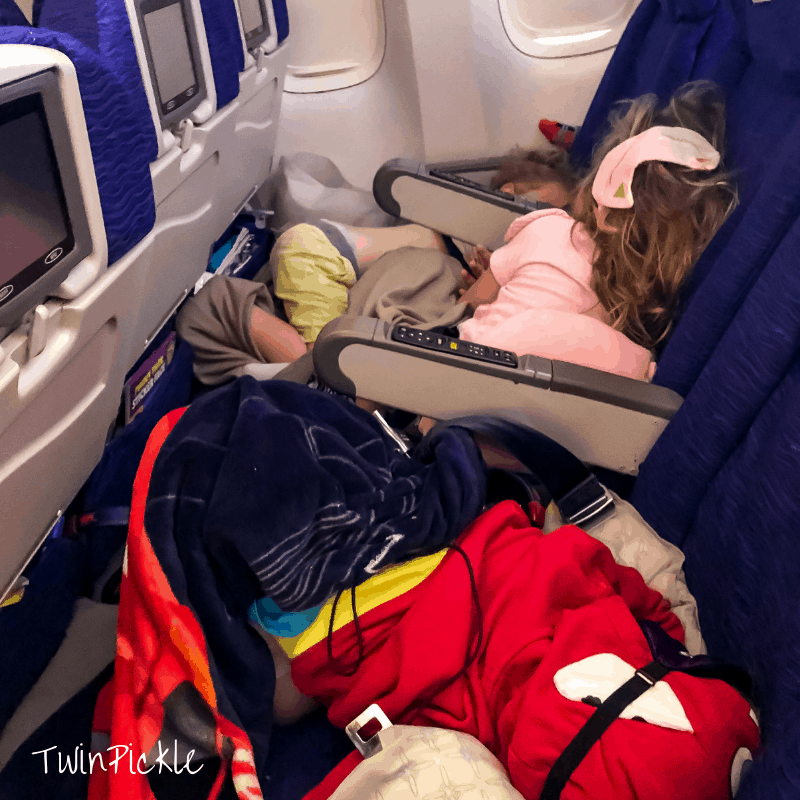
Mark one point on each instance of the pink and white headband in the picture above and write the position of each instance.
(612, 184)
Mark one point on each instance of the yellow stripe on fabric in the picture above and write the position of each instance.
(379, 589)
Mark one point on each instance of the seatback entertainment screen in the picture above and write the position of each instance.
(174, 67)
(255, 21)
(35, 231)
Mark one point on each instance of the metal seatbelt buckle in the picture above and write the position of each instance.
(585, 503)
(371, 745)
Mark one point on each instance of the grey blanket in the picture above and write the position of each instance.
(414, 286)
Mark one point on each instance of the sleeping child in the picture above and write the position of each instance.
(597, 286)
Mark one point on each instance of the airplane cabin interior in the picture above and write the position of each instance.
(336, 463)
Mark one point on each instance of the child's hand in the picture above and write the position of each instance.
(484, 290)
(478, 264)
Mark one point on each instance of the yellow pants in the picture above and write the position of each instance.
(312, 279)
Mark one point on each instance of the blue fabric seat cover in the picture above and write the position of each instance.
(224, 46)
(722, 481)
(103, 26)
(10, 14)
(121, 147)
(281, 18)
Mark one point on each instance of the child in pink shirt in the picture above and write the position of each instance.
(543, 301)
(599, 286)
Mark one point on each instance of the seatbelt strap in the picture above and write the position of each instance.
(575, 490)
(597, 725)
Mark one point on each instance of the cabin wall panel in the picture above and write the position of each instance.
(452, 85)
(362, 126)
(517, 90)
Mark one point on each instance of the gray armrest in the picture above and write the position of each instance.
(406, 189)
(604, 419)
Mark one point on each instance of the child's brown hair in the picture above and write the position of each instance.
(644, 254)
(534, 169)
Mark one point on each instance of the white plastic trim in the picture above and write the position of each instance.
(327, 77)
(601, 34)
(165, 142)
(19, 61)
(271, 42)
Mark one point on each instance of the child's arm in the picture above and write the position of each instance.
(276, 340)
(483, 291)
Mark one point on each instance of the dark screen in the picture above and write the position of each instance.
(33, 221)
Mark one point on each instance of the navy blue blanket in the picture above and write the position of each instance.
(275, 489)
(297, 494)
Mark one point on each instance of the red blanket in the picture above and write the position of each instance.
(547, 602)
(161, 659)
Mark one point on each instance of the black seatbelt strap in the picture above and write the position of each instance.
(597, 725)
(575, 490)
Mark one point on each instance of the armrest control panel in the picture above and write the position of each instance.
(448, 344)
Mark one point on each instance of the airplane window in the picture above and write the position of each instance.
(566, 28)
(335, 44)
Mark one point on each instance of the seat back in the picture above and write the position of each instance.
(666, 43)
(722, 480)
(154, 218)
(10, 14)
(122, 147)
(224, 47)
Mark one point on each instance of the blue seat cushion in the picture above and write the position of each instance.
(281, 18)
(666, 44)
(10, 14)
(120, 148)
(224, 46)
(104, 27)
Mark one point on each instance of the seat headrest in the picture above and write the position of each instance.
(77, 18)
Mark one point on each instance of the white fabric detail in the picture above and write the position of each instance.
(742, 757)
(601, 675)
